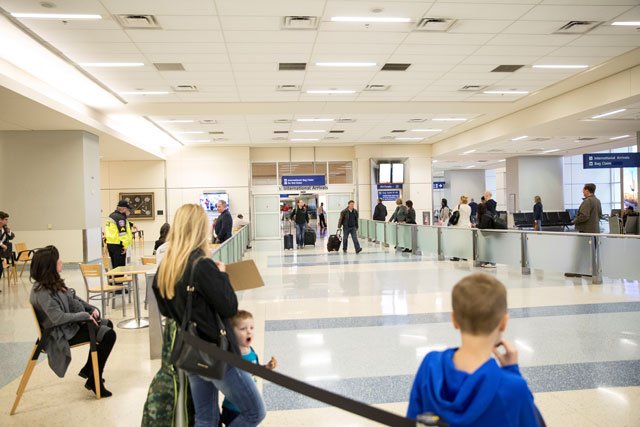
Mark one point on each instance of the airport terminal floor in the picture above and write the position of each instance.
(360, 325)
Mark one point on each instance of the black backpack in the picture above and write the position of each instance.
(455, 217)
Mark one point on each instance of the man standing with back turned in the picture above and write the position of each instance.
(587, 219)
(118, 234)
(349, 222)
(224, 223)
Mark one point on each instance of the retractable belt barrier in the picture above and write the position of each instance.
(330, 398)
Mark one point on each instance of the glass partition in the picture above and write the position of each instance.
(615, 259)
(372, 230)
(428, 241)
(498, 246)
(560, 252)
(379, 231)
(404, 235)
(391, 235)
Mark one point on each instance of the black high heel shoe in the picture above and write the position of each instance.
(89, 385)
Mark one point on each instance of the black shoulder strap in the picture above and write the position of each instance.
(191, 288)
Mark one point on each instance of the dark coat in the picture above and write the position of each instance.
(491, 206)
(300, 216)
(537, 212)
(411, 216)
(587, 219)
(344, 218)
(380, 212)
(224, 226)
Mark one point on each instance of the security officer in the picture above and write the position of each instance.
(118, 234)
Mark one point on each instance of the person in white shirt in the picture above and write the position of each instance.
(464, 218)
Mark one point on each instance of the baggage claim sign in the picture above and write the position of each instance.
(304, 182)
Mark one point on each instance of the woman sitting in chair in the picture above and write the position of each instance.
(59, 308)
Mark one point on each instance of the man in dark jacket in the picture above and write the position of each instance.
(224, 223)
(490, 203)
(349, 222)
(587, 219)
(380, 211)
(300, 216)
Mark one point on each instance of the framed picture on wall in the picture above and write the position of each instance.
(142, 205)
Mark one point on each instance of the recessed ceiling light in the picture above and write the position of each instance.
(560, 66)
(469, 152)
(615, 138)
(175, 121)
(331, 91)
(314, 120)
(304, 139)
(192, 132)
(61, 16)
(506, 92)
(551, 151)
(145, 92)
(610, 113)
(449, 119)
(426, 130)
(369, 19)
(346, 64)
(112, 64)
(434, 161)
(520, 137)
(406, 138)
(627, 23)
(469, 167)
(502, 160)
(309, 131)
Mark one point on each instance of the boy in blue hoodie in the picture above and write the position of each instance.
(465, 386)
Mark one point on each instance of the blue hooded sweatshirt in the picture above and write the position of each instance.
(491, 396)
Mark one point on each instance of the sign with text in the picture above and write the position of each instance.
(389, 186)
(610, 160)
(303, 181)
(389, 195)
(438, 185)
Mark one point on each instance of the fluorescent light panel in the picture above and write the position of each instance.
(314, 120)
(551, 151)
(331, 91)
(560, 66)
(449, 119)
(112, 64)
(627, 23)
(469, 152)
(145, 92)
(469, 167)
(615, 138)
(192, 132)
(62, 16)
(502, 160)
(175, 121)
(426, 130)
(610, 113)
(346, 64)
(406, 138)
(506, 92)
(520, 138)
(376, 19)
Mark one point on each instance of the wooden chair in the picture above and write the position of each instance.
(10, 272)
(115, 280)
(23, 255)
(38, 348)
(95, 271)
(146, 260)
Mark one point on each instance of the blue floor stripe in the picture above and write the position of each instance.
(426, 318)
(390, 389)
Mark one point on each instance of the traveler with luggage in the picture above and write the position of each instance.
(322, 218)
(349, 223)
(300, 216)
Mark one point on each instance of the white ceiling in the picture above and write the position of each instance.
(230, 50)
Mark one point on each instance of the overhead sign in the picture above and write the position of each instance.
(610, 160)
(303, 180)
(389, 195)
(438, 185)
(389, 186)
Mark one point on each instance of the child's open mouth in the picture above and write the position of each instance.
(249, 340)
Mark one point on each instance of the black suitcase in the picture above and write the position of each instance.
(334, 242)
(288, 240)
(310, 237)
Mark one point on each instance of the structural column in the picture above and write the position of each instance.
(458, 183)
(532, 176)
(51, 190)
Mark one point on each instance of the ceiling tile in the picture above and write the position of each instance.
(281, 36)
(356, 37)
(87, 47)
(160, 7)
(269, 8)
(428, 50)
(448, 38)
(613, 41)
(183, 48)
(579, 12)
(103, 36)
(187, 57)
(164, 36)
(188, 22)
(469, 26)
(491, 11)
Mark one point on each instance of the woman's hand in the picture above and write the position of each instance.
(221, 266)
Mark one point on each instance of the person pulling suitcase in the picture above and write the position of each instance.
(349, 223)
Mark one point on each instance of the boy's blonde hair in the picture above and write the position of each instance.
(240, 316)
(479, 302)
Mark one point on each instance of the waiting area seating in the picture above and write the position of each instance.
(561, 219)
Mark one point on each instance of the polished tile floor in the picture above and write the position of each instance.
(360, 325)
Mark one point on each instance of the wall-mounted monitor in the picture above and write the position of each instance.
(397, 173)
(209, 201)
(385, 173)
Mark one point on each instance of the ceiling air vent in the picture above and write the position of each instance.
(506, 68)
(138, 22)
(208, 122)
(539, 139)
(577, 27)
(586, 138)
(185, 88)
(495, 150)
(168, 66)
(336, 131)
(300, 22)
(280, 131)
(376, 88)
(398, 130)
(282, 121)
(434, 24)
(471, 88)
(395, 67)
(481, 161)
(216, 132)
(288, 88)
(346, 121)
(292, 66)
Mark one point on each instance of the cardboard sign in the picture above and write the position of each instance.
(244, 275)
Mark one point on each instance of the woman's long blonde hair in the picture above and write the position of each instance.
(188, 232)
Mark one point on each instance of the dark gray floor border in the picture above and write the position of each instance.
(390, 389)
(426, 318)
(338, 260)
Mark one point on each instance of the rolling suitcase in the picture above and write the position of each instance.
(310, 237)
(288, 239)
(334, 242)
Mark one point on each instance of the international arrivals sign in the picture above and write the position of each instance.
(304, 182)
(610, 160)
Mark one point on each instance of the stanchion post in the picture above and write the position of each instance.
(385, 242)
(440, 248)
(596, 268)
(476, 252)
(524, 254)
(414, 239)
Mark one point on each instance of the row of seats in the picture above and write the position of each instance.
(549, 219)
